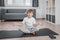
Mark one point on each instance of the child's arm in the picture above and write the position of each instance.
(36, 24)
(17, 24)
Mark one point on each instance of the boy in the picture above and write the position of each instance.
(29, 22)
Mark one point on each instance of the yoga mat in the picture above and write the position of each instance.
(20, 34)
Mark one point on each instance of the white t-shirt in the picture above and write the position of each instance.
(29, 21)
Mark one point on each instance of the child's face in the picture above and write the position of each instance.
(30, 14)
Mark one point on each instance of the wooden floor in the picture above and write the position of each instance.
(9, 26)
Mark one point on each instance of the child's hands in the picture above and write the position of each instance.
(14, 23)
(35, 25)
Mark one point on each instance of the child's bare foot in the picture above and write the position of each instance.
(33, 33)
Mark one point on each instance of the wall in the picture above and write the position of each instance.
(57, 11)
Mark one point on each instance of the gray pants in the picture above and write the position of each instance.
(29, 30)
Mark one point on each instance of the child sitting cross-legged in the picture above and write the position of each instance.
(29, 22)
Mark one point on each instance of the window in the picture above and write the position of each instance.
(19, 2)
(9, 2)
(28, 2)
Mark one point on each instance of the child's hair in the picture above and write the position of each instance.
(29, 11)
